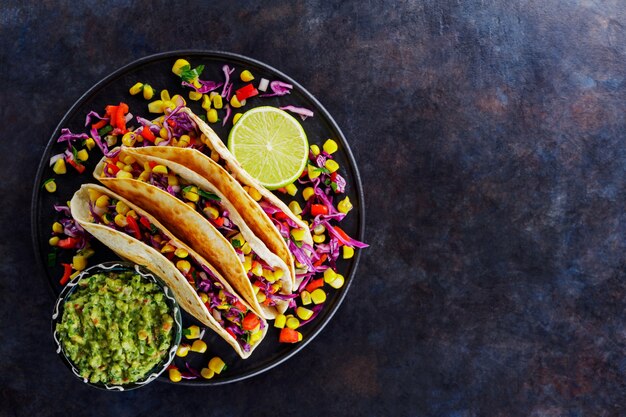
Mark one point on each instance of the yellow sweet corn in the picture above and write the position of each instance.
(93, 194)
(295, 208)
(206, 102)
(129, 160)
(305, 296)
(198, 346)
(331, 165)
(307, 193)
(236, 117)
(123, 174)
(246, 76)
(102, 201)
(330, 146)
(79, 262)
(90, 143)
(181, 253)
(298, 234)
(175, 375)
(50, 186)
(192, 332)
(319, 238)
(345, 205)
(348, 252)
(136, 89)
(246, 249)
(148, 92)
(59, 167)
(313, 172)
(304, 313)
(57, 227)
(261, 297)
(128, 139)
(218, 103)
(247, 263)
(165, 95)
(54, 240)
(159, 169)
(155, 106)
(329, 276)
(318, 296)
(254, 193)
(82, 155)
(183, 266)
(279, 321)
(177, 68)
(217, 365)
(211, 116)
(191, 193)
(195, 96)
(269, 275)
(337, 282)
(167, 248)
(291, 189)
(315, 150)
(319, 229)
(183, 350)
(235, 103)
(257, 269)
(292, 322)
(120, 220)
(211, 212)
(207, 373)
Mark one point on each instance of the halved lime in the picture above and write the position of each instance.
(271, 145)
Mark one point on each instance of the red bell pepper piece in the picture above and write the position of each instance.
(341, 233)
(67, 271)
(315, 284)
(113, 169)
(145, 222)
(246, 91)
(317, 209)
(68, 243)
(250, 321)
(219, 222)
(78, 167)
(230, 332)
(99, 124)
(240, 306)
(321, 260)
(147, 134)
(171, 122)
(134, 226)
(288, 335)
(152, 164)
(279, 215)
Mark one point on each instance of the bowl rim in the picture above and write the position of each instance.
(145, 273)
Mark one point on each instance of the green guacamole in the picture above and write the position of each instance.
(116, 327)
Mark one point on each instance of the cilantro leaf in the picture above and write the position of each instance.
(210, 196)
(188, 75)
(236, 243)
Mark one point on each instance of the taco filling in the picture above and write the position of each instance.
(266, 281)
(231, 314)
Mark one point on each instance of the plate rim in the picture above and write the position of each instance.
(35, 201)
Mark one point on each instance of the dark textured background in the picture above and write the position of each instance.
(490, 137)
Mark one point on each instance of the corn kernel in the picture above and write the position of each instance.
(298, 234)
(211, 212)
(183, 266)
(236, 117)
(319, 238)
(191, 193)
(136, 89)
(195, 96)
(247, 263)
(295, 208)
(102, 201)
(304, 313)
(318, 296)
(279, 273)
(291, 189)
(207, 373)
(120, 220)
(172, 180)
(330, 146)
(211, 116)
(59, 166)
(90, 143)
(345, 205)
(215, 155)
(257, 269)
(218, 102)
(132, 214)
(292, 322)
(217, 365)
(148, 93)
(246, 249)
(79, 262)
(305, 296)
(255, 194)
(165, 95)
(235, 103)
(54, 240)
(198, 346)
(183, 350)
(128, 139)
(246, 76)
(167, 248)
(307, 193)
(175, 375)
(329, 276)
(260, 297)
(331, 165)
(120, 164)
(279, 321)
(255, 337)
(50, 186)
(192, 332)
(206, 102)
(313, 172)
(337, 282)
(177, 68)
(82, 155)
(111, 140)
(184, 140)
(93, 195)
(154, 106)
(124, 174)
(348, 252)
(269, 275)
(319, 229)
(159, 169)
(315, 150)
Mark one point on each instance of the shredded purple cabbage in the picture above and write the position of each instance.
(279, 88)
(303, 112)
(69, 137)
(228, 86)
(206, 86)
(93, 114)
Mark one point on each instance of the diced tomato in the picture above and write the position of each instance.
(315, 284)
(152, 164)
(279, 215)
(246, 91)
(68, 243)
(230, 332)
(250, 321)
(288, 335)
(134, 226)
(147, 134)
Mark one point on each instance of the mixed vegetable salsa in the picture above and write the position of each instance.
(317, 198)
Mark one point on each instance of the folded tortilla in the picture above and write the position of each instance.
(194, 229)
(206, 279)
(269, 201)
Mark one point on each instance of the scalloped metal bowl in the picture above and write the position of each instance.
(147, 275)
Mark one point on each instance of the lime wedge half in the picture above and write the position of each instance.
(271, 145)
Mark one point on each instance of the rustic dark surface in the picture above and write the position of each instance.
(490, 138)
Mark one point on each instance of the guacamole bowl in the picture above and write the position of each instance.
(116, 326)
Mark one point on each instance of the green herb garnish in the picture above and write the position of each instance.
(210, 196)
(188, 75)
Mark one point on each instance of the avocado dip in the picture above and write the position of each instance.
(116, 327)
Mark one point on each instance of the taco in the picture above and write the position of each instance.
(200, 289)
(287, 223)
(201, 215)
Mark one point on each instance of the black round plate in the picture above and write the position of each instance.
(156, 71)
